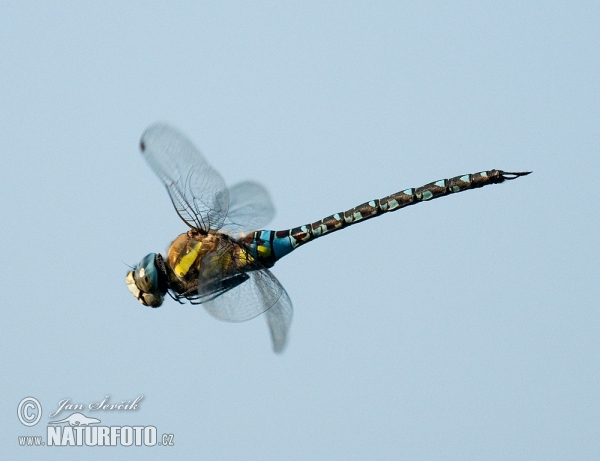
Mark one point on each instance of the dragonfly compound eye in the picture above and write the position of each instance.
(144, 282)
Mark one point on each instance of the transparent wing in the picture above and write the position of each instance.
(237, 302)
(279, 318)
(197, 190)
(248, 289)
(250, 207)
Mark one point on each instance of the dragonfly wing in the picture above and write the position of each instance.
(240, 302)
(279, 318)
(250, 207)
(197, 190)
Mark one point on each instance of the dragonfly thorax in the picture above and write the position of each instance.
(186, 252)
(194, 257)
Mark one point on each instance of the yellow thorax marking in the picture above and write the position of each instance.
(226, 261)
(263, 251)
(186, 261)
(215, 265)
(245, 258)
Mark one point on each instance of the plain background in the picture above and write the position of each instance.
(465, 328)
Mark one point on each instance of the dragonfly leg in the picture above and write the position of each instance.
(211, 290)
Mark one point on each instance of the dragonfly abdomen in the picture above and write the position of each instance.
(269, 246)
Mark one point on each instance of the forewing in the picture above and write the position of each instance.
(259, 293)
(197, 190)
(279, 318)
(250, 207)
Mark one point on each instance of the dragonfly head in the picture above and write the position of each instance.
(148, 280)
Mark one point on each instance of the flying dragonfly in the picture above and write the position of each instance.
(223, 261)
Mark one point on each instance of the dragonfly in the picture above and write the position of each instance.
(223, 260)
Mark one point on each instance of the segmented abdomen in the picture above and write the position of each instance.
(269, 246)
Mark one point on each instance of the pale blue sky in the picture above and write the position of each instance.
(465, 328)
